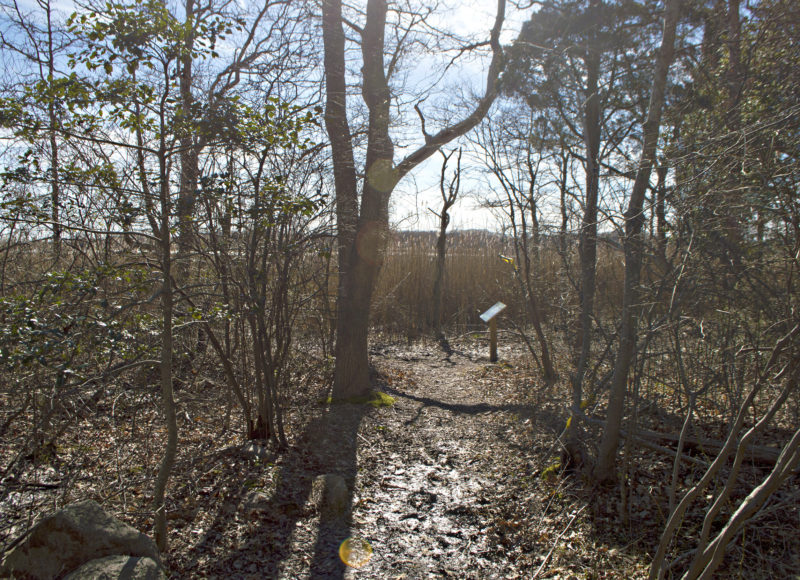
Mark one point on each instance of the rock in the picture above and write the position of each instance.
(330, 495)
(255, 502)
(119, 568)
(77, 534)
(255, 452)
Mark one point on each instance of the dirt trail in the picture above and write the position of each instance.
(430, 477)
(425, 476)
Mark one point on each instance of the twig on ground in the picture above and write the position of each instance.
(558, 539)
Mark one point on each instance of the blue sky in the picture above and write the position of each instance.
(470, 19)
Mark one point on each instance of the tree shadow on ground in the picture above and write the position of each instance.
(328, 445)
(336, 442)
(461, 408)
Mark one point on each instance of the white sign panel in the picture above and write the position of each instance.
(493, 311)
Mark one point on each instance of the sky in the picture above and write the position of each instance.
(418, 193)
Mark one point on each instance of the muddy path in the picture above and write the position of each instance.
(446, 482)
(425, 510)
(427, 473)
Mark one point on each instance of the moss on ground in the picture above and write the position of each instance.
(374, 399)
(550, 474)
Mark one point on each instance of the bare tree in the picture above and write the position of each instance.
(262, 31)
(162, 135)
(514, 151)
(39, 40)
(449, 196)
(708, 554)
(362, 227)
(564, 64)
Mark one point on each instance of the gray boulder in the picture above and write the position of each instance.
(119, 568)
(69, 538)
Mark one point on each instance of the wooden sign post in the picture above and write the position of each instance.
(490, 316)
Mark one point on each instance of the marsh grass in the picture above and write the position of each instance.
(475, 278)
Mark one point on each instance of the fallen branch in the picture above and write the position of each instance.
(648, 443)
(759, 454)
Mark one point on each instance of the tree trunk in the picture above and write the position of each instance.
(634, 249)
(55, 185)
(449, 196)
(531, 264)
(661, 215)
(733, 225)
(351, 375)
(735, 73)
(189, 155)
(587, 244)
(562, 188)
(168, 459)
(438, 274)
(348, 353)
(362, 236)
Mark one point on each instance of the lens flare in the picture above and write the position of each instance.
(355, 552)
(381, 175)
(370, 241)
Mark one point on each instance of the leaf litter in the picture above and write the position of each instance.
(458, 478)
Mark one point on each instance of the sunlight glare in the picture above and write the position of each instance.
(355, 552)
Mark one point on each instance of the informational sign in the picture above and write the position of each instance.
(489, 318)
(493, 311)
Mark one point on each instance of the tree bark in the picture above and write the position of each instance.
(661, 214)
(735, 73)
(361, 238)
(449, 196)
(55, 185)
(167, 400)
(634, 249)
(344, 173)
(189, 154)
(530, 264)
(708, 561)
(562, 188)
(733, 444)
(438, 273)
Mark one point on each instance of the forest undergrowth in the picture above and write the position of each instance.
(460, 477)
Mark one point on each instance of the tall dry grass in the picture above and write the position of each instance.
(475, 278)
